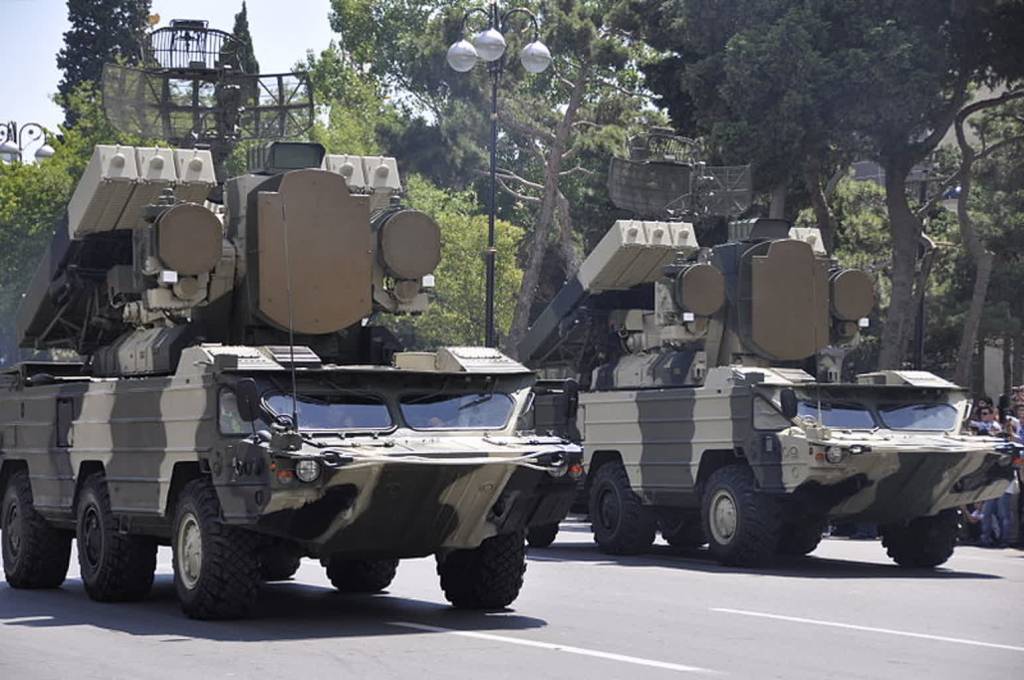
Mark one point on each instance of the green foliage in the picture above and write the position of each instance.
(456, 316)
(246, 52)
(101, 31)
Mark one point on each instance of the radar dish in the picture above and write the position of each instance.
(208, 108)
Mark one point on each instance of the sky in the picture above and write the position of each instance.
(32, 31)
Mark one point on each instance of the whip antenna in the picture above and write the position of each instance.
(291, 319)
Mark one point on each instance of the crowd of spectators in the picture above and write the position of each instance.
(997, 522)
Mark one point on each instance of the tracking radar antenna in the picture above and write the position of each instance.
(663, 177)
(191, 90)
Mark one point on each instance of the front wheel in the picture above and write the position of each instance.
(621, 523)
(361, 576)
(115, 567)
(487, 577)
(542, 536)
(35, 554)
(924, 542)
(216, 566)
(741, 523)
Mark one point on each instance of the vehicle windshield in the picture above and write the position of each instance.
(487, 411)
(935, 417)
(838, 415)
(334, 412)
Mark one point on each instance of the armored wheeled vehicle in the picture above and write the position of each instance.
(711, 406)
(239, 399)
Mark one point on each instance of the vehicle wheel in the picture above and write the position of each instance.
(542, 536)
(488, 577)
(361, 576)
(35, 554)
(800, 538)
(681, 531)
(922, 542)
(742, 524)
(279, 562)
(621, 523)
(115, 567)
(216, 566)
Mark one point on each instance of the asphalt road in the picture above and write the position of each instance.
(845, 612)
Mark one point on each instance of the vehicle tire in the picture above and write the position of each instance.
(216, 566)
(279, 562)
(682, 532)
(800, 538)
(742, 524)
(488, 577)
(923, 542)
(361, 576)
(542, 536)
(35, 554)
(621, 523)
(115, 567)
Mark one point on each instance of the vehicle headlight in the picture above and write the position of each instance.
(833, 454)
(307, 470)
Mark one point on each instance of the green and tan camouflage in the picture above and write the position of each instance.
(238, 400)
(711, 406)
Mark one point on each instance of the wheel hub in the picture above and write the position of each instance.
(12, 534)
(92, 536)
(609, 510)
(723, 517)
(190, 551)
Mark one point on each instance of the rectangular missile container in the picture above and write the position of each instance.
(104, 190)
(194, 168)
(155, 173)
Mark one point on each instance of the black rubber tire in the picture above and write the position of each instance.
(227, 581)
(488, 577)
(798, 539)
(542, 536)
(36, 555)
(683, 533)
(619, 520)
(115, 567)
(279, 563)
(921, 543)
(361, 576)
(755, 539)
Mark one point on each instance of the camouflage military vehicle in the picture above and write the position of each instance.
(710, 405)
(238, 401)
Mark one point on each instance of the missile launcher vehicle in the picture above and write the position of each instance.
(238, 399)
(707, 375)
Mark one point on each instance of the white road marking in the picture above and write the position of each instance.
(26, 619)
(555, 647)
(870, 629)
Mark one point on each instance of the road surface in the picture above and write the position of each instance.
(845, 612)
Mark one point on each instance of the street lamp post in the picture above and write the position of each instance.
(15, 140)
(489, 46)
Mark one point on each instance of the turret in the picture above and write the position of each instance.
(649, 306)
(304, 246)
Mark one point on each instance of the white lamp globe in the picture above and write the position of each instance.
(44, 152)
(462, 56)
(490, 44)
(9, 148)
(535, 57)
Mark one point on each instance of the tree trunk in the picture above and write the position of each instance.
(1018, 359)
(566, 243)
(777, 207)
(905, 231)
(813, 179)
(1007, 363)
(542, 231)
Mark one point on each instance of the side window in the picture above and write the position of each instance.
(229, 420)
(65, 415)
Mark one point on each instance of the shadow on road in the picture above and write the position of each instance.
(793, 567)
(284, 611)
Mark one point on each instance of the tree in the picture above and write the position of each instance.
(882, 78)
(557, 128)
(101, 31)
(245, 53)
